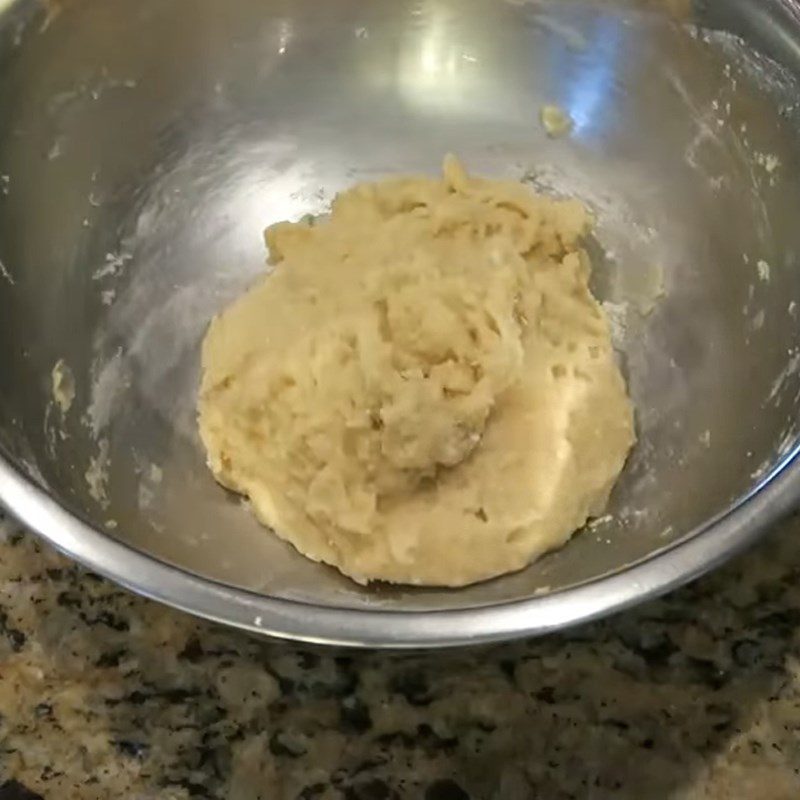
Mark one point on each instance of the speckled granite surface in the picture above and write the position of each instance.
(104, 695)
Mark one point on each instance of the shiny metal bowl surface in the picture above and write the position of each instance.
(145, 145)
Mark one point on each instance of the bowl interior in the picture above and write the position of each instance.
(144, 146)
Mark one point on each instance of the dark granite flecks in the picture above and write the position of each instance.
(105, 695)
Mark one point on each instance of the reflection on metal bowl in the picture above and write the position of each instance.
(144, 146)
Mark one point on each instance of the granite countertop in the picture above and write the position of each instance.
(105, 695)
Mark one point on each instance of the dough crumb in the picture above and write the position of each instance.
(768, 161)
(556, 121)
(423, 390)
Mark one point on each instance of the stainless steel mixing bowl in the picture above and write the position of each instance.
(145, 145)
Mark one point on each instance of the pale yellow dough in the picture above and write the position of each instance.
(423, 390)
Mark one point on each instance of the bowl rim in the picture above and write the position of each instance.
(663, 570)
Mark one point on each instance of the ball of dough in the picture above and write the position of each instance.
(423, 390)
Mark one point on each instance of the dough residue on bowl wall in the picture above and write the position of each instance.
(63, 386)
(424, 389)
(97, 474)
(5, 274)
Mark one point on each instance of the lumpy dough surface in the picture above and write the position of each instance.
(423, 390)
